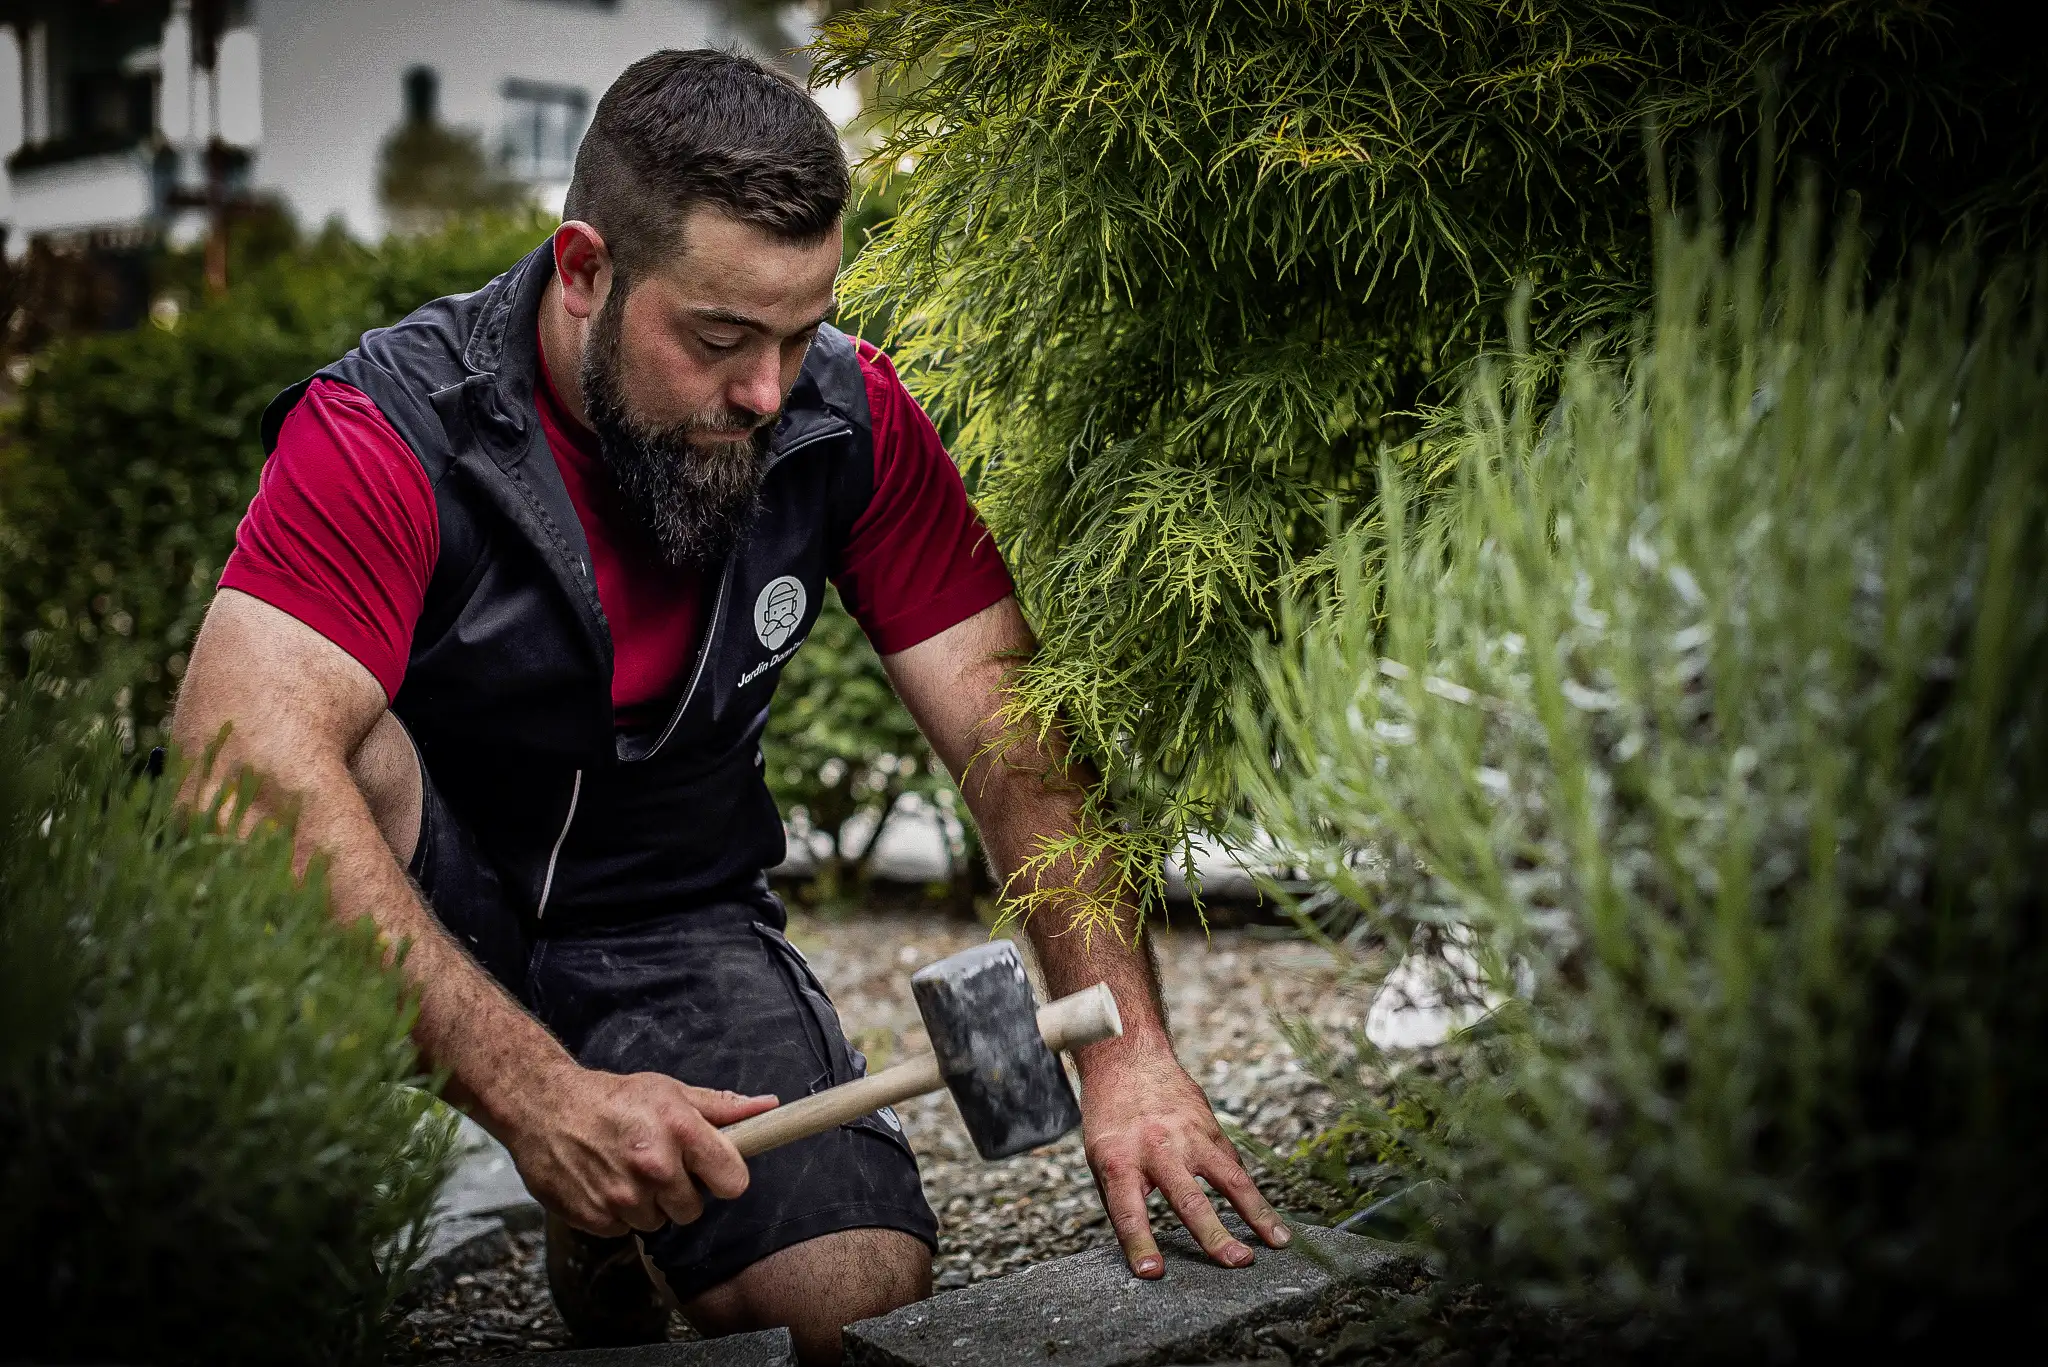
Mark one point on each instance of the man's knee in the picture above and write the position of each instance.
(818, 1287)
(386, 770)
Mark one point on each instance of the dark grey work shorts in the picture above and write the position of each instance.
(714, 995)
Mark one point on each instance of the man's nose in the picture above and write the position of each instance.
(758, 389)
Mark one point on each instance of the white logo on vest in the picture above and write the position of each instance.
(779, 610)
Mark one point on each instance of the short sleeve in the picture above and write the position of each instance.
(343, 532)
(918, 559)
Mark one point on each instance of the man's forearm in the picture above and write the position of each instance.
(492, 1049)
(1023, 791)
(468, 1026)
(1146, 1124)
(1017, 810)
(1072, 963)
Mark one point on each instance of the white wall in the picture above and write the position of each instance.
(332, 73)
(112, 191)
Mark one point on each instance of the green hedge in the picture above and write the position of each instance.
(839, 746)
(204, 1146)
(131, 457)
(1699, 734)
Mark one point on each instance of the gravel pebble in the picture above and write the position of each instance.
(1223, 993)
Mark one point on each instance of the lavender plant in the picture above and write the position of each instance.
(1705, 717)
(206, 1154)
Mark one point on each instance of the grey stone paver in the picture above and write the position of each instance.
(1088, 1311)
(769, 1348)
(476, 1211)
(485, 1182)
(462, 1243)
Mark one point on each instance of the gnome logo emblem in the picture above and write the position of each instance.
(779, 610)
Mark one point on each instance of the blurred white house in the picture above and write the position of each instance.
(123, 120)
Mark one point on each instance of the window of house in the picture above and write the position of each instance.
(111, 107)
(543, 125)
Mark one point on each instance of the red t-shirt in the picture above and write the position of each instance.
(343, 535)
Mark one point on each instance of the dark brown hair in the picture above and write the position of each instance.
(678, 129)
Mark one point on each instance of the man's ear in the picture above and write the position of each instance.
(584, 264)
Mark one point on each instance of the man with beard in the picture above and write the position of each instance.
(501, 627)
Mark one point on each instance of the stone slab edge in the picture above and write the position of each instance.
(483, 1204)
(1087, 1311)
(463, 1243)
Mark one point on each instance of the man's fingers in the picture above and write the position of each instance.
(1226, 1173)
(726, 1108)
(679, 1200)
(1123, 1196)
(1191, 1203)
(659, 1169)
(597, 1222)
(710, 1157)
(636, 1206)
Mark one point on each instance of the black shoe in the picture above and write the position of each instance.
(601, 1290)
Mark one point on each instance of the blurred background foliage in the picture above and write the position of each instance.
(129, 457)
(1694, 735)
(205, 1155)
(1176, 274)
(845, 762)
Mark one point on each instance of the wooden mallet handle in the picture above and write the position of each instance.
(1083, 1018)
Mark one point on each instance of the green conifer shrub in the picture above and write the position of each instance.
(1179, 272)
(1698, 735)
(132, 456)
(204, 1149)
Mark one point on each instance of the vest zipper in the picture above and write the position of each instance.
(718, 607)
(703, 658)
(548, 884)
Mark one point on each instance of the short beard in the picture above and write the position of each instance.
(694, 497)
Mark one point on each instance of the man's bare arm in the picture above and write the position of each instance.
(607, 1152)
(1147, 1124)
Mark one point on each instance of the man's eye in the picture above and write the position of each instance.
(713, 344)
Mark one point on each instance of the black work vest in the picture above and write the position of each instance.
(507, 690)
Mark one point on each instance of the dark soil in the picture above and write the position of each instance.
(493, 1312)
(1426, 1322)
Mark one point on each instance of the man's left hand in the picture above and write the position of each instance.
(1147, 1126)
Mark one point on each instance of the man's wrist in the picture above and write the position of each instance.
(521, 1094)
(1144, 1045)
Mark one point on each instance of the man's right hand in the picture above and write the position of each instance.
(611, 1153)
(607, 1153)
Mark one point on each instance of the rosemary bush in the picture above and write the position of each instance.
(1180, 272)
(1704, 717)
(203, 1146)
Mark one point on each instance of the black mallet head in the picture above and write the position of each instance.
(978, 1009)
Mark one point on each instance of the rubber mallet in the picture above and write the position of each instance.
(992, 1046)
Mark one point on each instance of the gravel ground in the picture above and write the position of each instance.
(1223, 992)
